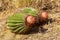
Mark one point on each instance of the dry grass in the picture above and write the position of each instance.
(9, 7)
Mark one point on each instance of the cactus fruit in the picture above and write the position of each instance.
(22, 22)
(43, 16)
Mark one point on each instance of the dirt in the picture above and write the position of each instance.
(53, 28)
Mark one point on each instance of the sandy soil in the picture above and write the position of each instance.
(52, 32)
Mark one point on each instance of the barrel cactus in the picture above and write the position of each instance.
(22, 22)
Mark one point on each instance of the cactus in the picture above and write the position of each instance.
(17, 22)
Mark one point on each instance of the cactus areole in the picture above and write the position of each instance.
(22, 22)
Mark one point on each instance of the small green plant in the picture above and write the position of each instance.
(22, 22)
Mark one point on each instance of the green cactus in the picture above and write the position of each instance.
(16, 22)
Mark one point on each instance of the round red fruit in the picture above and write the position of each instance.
(31, 19)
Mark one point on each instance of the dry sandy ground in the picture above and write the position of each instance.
(52, 32)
